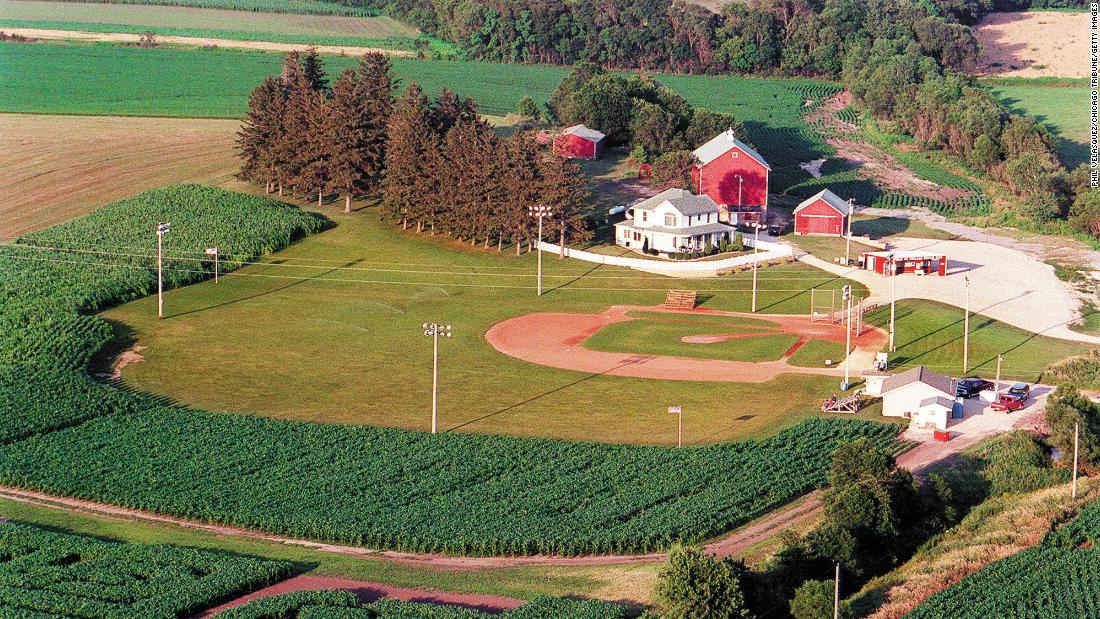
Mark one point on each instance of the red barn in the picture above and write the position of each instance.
(579, 142)
(733, 175)
(822, 214)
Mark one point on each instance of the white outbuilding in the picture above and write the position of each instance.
(919, 394)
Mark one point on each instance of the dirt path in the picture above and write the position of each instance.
(121, 37)
(370, 591)
(553, 339)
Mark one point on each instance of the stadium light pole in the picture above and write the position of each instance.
(755, 249)
(847, 338)
(892, 262)
(679, 412)
(836, 593)
(848, 243)
(539, 212)
(162, 229)
(966, 327)
(435, 331)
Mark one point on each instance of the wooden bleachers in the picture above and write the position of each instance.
(848, 404)
(680, 299)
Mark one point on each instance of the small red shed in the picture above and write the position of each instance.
(823, 213)
(905, 262)
(579, 142)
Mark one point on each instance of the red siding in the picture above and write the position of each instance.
(819, 218)
(718, 179)
(574, 146)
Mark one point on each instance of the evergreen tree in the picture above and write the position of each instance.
(315, 160)
(295, 123)
(412, 145)
(449, 110)
(375, 76)
(260, 132)
(469, 151)
(520, 173)
(350, 129)
(314, 70)
(564, 190)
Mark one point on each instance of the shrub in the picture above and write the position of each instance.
(695, 585)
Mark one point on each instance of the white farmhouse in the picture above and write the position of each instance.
(922, 395)
(674, 220)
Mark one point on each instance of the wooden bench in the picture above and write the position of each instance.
(681, 299)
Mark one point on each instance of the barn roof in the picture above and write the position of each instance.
(723, 143)
(584, 132)
(829, 197)
(680, 199)
(920, 374)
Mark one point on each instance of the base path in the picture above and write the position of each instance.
(123, 37)
(554, 339)
(369, 591)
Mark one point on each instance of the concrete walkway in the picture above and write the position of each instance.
(1005, 284)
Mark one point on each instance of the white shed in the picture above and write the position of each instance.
(904, 394)
(932, 414)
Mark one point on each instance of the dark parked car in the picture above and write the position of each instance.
(971, 386)
(1022, 390)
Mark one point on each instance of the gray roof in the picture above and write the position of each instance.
(829, 197)
(947, 403)
(680, 199)
(710, 228)
(585, 132)
(923, 375)
(722, 144)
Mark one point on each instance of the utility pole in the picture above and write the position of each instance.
(162, 229)
(966, 328)
(848, 244)
(679, 412)
(893, 301)
(847, 338)
(755, 250)
(997, 388)
(539, 211)
(213, 251)
(836, 594)
(1076, 437)
(435, 331)
(740, 193)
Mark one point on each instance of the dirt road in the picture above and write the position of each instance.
(121, 37)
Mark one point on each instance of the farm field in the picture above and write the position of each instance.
(55, 168)
(931, 334)
(299, 7)
(284, 351)
(1034, 44)
(1063, 109)
(54, 572)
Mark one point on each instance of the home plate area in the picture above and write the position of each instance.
(674, 344)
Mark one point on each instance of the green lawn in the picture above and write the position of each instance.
(878, 227)
(263, 7)
(1063, 109)
(931, 334)
(814, 353)
(330, 330)
(830, 248)
(664, 338)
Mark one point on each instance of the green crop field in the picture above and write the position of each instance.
(1057, 579)
(931, 334)
(662, 336)
(80, 576)
(354, 484)
(301, 7)
(1063, 109)
(208, 23)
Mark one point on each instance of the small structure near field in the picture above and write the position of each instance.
(822, 214)
(920, 394)
(848, 404)
(900, 262)
(579, 142)
(674, 220)
(681, 299)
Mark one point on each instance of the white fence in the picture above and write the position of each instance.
(676, 268)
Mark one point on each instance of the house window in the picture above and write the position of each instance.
(734, 154)
(670, 221)
(645, 216)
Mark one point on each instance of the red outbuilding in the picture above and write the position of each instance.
(899, 262)
(735, 176)
(579, 142)
(822, 214)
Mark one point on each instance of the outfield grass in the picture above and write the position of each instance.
(814, 353)
(333, 333)
(830, 248)
(1063, 109)
(931, 334)
(664, 338)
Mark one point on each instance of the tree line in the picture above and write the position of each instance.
(435, 164)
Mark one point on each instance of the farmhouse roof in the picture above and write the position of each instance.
(584, 132)
(680, 199)
(829, 197)
(693, 230)
(920, 374)
(723, 143)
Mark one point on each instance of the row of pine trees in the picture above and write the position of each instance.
(436, 165)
